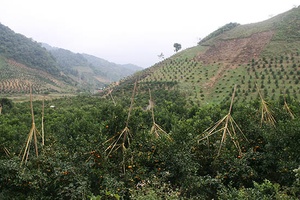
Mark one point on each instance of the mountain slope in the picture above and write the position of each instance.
(113, 71)
(24, 62)
(262, 56)
(26, 51)
(89, 70)
(16, 78)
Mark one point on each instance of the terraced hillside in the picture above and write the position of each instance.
(262, 56)
(16, 78)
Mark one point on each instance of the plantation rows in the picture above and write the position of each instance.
(275, 76)
(16, 79)
(14, 86)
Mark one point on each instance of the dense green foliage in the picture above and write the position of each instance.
(73, 163)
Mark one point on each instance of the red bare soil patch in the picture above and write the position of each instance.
(232, 52)
(236, 51)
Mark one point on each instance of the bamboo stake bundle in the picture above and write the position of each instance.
(288, 110)
(228, 128)
(266, 112)
(122, 139)
(156, 130)
(31, 136)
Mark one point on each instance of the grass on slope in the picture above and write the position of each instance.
(213, 83)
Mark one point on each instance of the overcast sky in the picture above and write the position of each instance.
(130, 31)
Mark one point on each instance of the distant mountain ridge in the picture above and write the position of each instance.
(69, 60)
(25, 62)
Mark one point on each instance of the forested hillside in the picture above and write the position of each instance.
(26, 51)
(25, 62)
(90, 68)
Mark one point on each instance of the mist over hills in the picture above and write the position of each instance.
(25, 62)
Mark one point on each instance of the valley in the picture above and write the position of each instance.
(216, 121)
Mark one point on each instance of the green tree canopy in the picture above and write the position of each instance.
(177, 47)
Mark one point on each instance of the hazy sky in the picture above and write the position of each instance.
(130, 31)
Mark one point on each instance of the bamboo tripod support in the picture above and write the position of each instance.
(266, 112)
(156, 130)
(31, 136)
(122, 139)
(228, 127)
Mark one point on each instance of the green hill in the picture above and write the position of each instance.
(90, 71)
(262, 56)
(26, 51)
(24, 62)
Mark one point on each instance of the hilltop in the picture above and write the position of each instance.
(25, 62)
(262, 55)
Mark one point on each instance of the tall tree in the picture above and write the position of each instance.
(177, 47)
